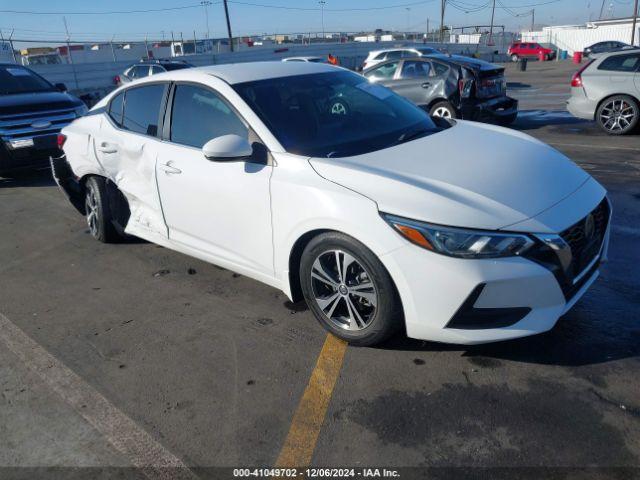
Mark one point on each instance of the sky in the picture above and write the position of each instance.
(248, 17)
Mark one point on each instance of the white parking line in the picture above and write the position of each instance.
(153, 460)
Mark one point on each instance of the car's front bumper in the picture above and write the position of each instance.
(469, 301)
(500, 109)
(33, 157)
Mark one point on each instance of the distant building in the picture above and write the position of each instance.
(574, 38)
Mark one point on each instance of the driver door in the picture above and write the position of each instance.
(220, 209)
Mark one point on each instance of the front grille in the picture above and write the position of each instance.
(585, 244)
(585, 248)
(17, 126)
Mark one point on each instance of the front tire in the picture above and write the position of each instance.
(348, 290)
(618, 115)
(514, 58)
(100, 219)
(443, 109)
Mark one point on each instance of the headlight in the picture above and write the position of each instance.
(81, 110)
(460, 242)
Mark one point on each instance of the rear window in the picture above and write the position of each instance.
(142, 109)
(621, 63)
(15, 79)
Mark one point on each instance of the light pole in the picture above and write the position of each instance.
(635, 18)
(408, 19)
(322, 4)
(205, 4)
(493, 12)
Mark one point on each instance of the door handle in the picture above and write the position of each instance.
(106, 147)
(169, 169)
(426, 84)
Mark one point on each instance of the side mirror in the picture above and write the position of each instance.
(61, 87)
(227, 147)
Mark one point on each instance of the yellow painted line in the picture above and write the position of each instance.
(300, 443)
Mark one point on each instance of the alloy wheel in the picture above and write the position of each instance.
(92, 210)
(617, 115)
(343, 290)
(443, 112)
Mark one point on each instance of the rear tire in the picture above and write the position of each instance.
(618, 115)
(348, 290)
(514, 58)
(100, 218)
(443, 109)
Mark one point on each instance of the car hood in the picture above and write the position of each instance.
(36, 102)
(470, 175)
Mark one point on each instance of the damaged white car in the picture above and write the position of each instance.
(311, 179)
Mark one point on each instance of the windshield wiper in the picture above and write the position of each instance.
(408, 136)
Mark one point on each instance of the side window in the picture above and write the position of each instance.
(414, 69)
(155, 69)
(142, 71)
(199, 115)
(142, 109)
(394, 55)
(115, 109)
(133, 72)
(380, 56)
(621, 63)
(383, 72)
(440, 69)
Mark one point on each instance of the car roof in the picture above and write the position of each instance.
(302, 58)
(627, 51)
(233, 73)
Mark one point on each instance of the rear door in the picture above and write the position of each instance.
(127, 147)
(415, 80)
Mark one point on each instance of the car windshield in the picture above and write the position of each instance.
(334, 114)
(16, 79)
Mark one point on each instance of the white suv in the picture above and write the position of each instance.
(379, 56)
(378, 216)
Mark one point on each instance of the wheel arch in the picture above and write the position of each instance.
(295, 257)
(118, 202)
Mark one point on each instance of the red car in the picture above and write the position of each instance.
(518, 50)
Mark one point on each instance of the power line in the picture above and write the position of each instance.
(113, 12)
(315, 9)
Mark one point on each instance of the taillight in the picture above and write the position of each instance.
(116, 79)
(576, 79)
(61, 139)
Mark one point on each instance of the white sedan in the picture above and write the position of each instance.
(378, 216)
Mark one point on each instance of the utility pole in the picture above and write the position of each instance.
(427, 29)
(73, 67)
(533, 18)
(493, 12)
(408, 19)
(205, 4)
(442, 5)
(322, 4)
(633, 25)
(601, 10)
(226, 13)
